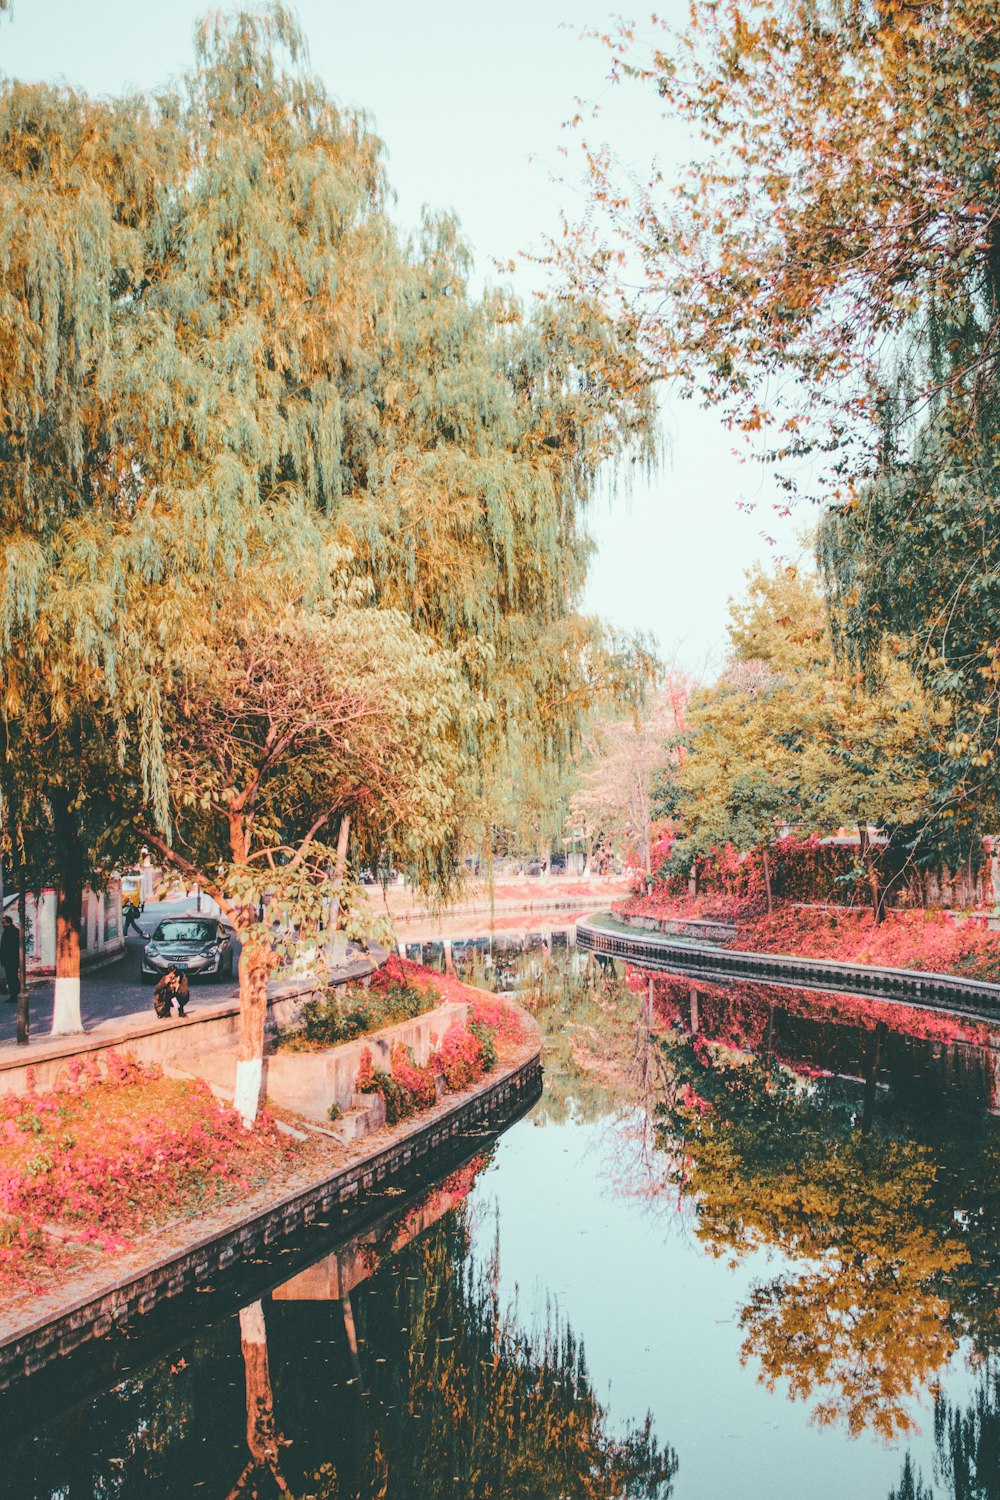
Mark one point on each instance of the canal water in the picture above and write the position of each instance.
(746, 1244)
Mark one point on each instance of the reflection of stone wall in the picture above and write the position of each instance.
(337, 1274)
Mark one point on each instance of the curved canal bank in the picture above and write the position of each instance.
(609, 937)
(621, 1295)
(178, 1259)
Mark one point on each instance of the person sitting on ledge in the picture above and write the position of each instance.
(173, 989)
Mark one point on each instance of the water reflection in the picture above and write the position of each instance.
(820, 1186)
(870, 1167)
(391, 1367)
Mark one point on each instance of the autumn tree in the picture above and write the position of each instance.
(787, 736)
(286, 728)
(219, 361)
(825, 270)
(613, 803)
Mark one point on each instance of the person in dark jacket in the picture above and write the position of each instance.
(10, 957)
(173, 989)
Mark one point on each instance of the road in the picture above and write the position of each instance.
(118, 989)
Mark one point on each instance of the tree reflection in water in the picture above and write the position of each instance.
(887, 1225)
(967, 1440)
(263, 1440)
(391, 1368)
(461, 1398)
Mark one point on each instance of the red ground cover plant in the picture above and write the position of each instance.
(459, 1059)
(107, 1155)
(930, 941)
(502, 1019)
(666, 904)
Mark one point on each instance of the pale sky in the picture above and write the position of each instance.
(470, 100)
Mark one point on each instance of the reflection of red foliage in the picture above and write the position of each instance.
(448, 1194)
(735, 1014)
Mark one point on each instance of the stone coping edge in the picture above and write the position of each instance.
(483, 909)
(34, 1343)
(977, 998)
(707, 927)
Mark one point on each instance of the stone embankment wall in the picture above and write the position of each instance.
(972, 997)
(205, 1029)
(60, 1324)
(309, 1082)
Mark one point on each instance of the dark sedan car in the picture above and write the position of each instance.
(193, 945)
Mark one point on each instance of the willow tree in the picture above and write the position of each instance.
(83, 187)
(218, 358)
(169, 410)
(487, 428)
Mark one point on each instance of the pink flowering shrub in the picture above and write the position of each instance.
(459, 1058)
(418, 1082)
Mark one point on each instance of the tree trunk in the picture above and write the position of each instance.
(767, 881)
(343, 838)
(254, 967)
(878, 900)
(340, 875)
(22, 998)
(69, 915)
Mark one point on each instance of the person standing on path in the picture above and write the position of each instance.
(10, 957)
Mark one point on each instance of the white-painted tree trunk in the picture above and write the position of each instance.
(66, 1010)
(249, 1077)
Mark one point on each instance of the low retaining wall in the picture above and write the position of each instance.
(706, 931)
(309, 1082)
(972, 997)
(149, 1040)
(36, 1342)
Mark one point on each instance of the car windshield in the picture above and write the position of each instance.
(184, 932)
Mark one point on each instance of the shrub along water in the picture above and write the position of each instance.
(463, 1055)
(346, 1012)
